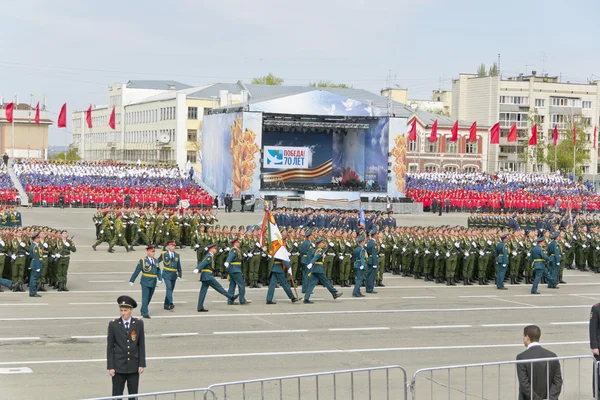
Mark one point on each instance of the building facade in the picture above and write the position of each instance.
(523, 100)
(30, 139)
(156, 122)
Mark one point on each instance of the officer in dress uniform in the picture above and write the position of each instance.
(359, 266)
(305, 257)
(233, 264)
(150, 275)
(126, 349)
(372, 262)
(206, 269)
(554, 253)
(538, 259)
(317, 274)
(502, 259)
(280, 267)
(36, 265)
(171, 272)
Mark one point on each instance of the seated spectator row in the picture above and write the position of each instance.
(109, 183)
(8, 193)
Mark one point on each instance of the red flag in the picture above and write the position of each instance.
(555, 135)
(37, 113)
(512, 134)
(533, 138)
(111, 121)
(454, 131)
(473, 132)
(412, 136)
(575, 134)
(433, 135)
(595, 141)
(9, 112)
(495, 134)
(62, 117)
(88, 117)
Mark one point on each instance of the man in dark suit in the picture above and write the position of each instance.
(126, 349)
(538, 380)
(595, 337)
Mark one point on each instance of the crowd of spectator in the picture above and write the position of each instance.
(8, 193)
(107, 183)
(508, 191)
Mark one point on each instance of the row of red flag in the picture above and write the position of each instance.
(494, 133)
(62, 116)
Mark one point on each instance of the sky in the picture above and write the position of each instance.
(71, 50)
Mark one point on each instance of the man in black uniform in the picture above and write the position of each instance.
(126, 349)
(595, 338)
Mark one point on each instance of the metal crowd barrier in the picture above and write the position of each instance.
(389, 382)
(186, 394)
(491, 381)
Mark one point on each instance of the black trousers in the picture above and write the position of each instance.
(118, 383)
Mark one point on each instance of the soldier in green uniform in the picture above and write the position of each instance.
(372, 261)
(502, 260)
(36, 265)
(538, 259)
(306, 255)
(278, 275)
(554, 254)
(3, 254)
(317, 274)
(45, 252)
(233, 264)
(65, 247)
(256, 253)
(19, 253)
(118, 235)
(151, 273)
(451, 252)
(345, 255)
(330, 254)
(171, 272)
(206, 269)
(359, 265)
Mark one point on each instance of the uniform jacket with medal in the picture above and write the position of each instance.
(207, 268)
(373, 252)
(171, 265)
(126, 350)
(317, 260)
(150, 272)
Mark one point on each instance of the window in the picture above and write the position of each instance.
(565, 102)
(432, 147)
(191, 156)
(451, 168)
(519, 100)
(508, 119)
(472, 148)
(414, 168)
(586, 120)
(451, 147)
(541, 119)
(540, 102)
(412, 145)
(192, 112)
(192, 135)
(586, 105)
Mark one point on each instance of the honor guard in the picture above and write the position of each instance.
(171, 272)
(151, 274)
(206, 269)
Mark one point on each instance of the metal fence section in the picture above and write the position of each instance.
(499, 380)
(381, 383)
(186, 394)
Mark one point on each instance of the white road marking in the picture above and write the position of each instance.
(89, 337)
(441, 326)
(375, 328)
(289, 314)
(571, 323)
(23, 304)
(19, 338)
(21, 370)
(298, 353)
(253, 332)
(180, 334)
(514, 302)
(505, 325)
(588, 297)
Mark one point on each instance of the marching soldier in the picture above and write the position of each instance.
(538, 259)
(372, 262)
(64, 248)
(359, 265)
(206, 269)
(36, 265)
(151, 274)
(318, 275)
(502, 259)
(233, 264)
(171, 272)
(278, 275)
(554, 253)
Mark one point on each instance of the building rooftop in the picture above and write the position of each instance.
(157, 85)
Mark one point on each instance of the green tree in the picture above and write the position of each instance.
(437, 111)
(71, 155)
(269, 79)
(481, 71)
(564, 150)
(493, 69)
(329, 84)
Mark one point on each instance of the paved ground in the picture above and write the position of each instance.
(61, 337)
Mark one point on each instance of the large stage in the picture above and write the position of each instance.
(324, 143)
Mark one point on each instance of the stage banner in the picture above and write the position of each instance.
(286, 157)
(398, 145)
(231, 152)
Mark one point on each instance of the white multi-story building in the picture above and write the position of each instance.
(490, 99)
(156, 122)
